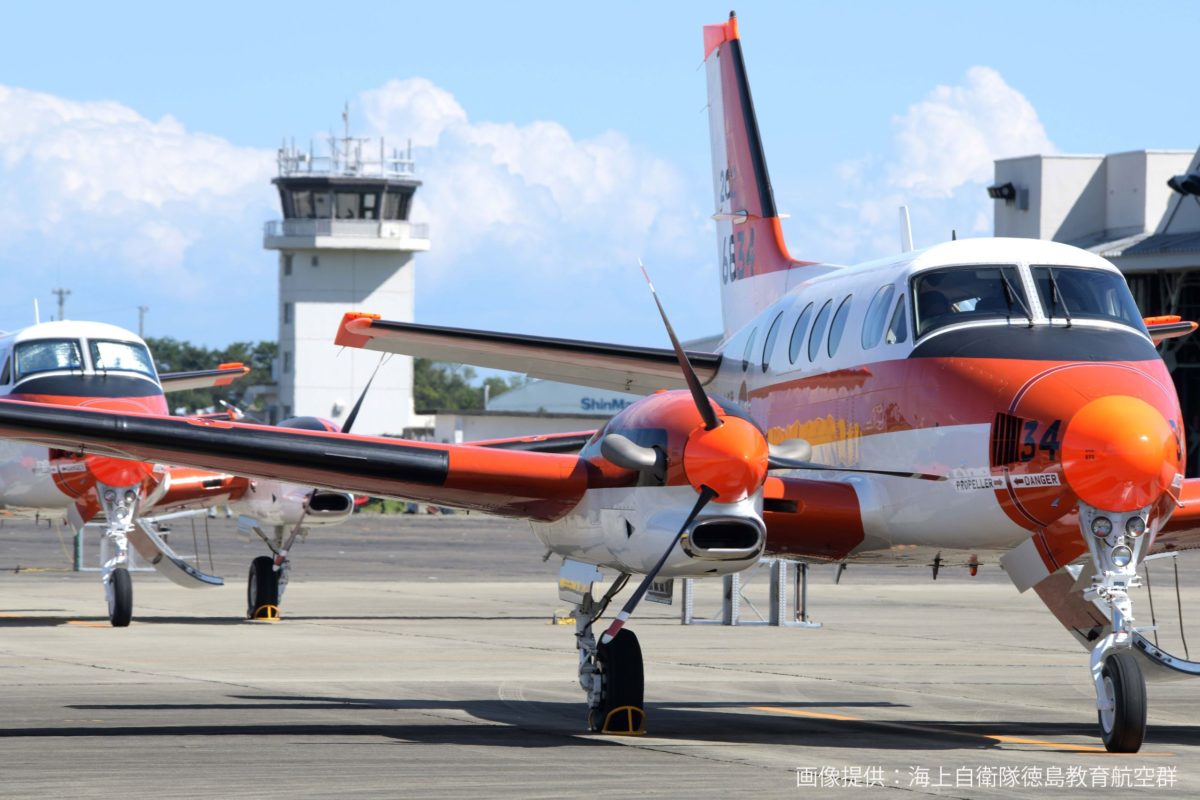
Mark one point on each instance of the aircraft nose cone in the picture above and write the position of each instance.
(731, 459)
(1119, 454)
(117, 471)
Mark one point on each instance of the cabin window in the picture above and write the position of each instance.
(798, 331)
(6, 375)
(898, 328)
(877, 316)
(1069, 292)
(968, 294)
(121, 356)
(46, 355)
(769, 344)
(818, 330)
(749, 350)
(838, 326)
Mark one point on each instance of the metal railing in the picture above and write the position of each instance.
(349, 228)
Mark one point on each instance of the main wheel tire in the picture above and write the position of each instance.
(262, 587)
(120, 598)
(623, 679)
(1124, 726)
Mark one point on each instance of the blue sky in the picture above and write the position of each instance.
(559, 142)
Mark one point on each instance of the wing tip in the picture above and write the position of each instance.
(349, 334)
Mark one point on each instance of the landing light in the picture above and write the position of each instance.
(1135, 527)
(1121, 555)
(1101, 527)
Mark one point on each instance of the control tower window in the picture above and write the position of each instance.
(1068, 292)
(369, 206)
(110, 355)
(322, 205)
(45, 355)
(302, 205)
(968, 294)
(348, 205)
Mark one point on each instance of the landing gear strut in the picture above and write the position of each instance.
(1117, 543)
(120, 506)
(610, 673)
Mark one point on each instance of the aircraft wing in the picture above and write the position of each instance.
(223, 375)
(641, 370)
(506, 482)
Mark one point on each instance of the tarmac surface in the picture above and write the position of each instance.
(417, 659)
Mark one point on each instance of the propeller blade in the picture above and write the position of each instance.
(706, 494)
(776, 462)
(689, 375)
(358, 403)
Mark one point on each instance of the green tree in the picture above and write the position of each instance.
(172, 355)
(448, 387)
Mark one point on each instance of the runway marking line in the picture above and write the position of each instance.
(1003, 739)
(82, 623)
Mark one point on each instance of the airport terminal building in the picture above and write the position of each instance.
(1140, 210)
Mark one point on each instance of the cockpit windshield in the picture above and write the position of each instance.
(108, 355)
(46, 355)
(1070, 292)
(968, 294)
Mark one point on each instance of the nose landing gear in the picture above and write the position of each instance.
(1118, 544)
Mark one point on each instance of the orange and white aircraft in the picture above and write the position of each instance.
(99, 366)
(979, 400)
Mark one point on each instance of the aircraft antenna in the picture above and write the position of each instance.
(906, 243)
(37, 314)
(142, 321)
(953, 235)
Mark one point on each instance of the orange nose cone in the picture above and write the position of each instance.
(730, 459)
(1119, 453)
(117, 471)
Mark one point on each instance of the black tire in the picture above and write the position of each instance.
(120, 598)
(1125, 728)
(620, 663)
(262, 588)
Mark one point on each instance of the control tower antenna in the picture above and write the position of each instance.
(142, 321)
(62, 299)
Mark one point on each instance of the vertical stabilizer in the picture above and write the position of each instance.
(749, 236)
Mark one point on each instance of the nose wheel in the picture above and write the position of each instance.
(1122, 707)
(119, 589)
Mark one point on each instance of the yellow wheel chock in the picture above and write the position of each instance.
(625, 721)
(268, 612)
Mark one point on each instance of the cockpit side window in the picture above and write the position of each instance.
(45, 355)
(968, 294)
(1068, 292)
(6, 373)
(109, 355)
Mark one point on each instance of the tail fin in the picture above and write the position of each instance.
(749, 236)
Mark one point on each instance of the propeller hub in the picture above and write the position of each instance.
(730, 459)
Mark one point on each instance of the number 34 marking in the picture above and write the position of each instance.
(1049, 442)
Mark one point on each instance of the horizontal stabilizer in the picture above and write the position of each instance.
(223, 375)
(622, 368)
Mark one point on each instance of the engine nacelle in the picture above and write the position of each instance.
(278, 503)
(629, 528)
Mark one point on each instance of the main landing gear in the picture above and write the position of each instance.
(269, 574)
(120, 506)
(611, 673)
(1117, 543)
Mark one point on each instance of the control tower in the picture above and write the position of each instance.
(345, 244)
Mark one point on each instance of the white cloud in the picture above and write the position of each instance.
(938, 162)
(98, 181)
(952, 137)
(567, 203)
